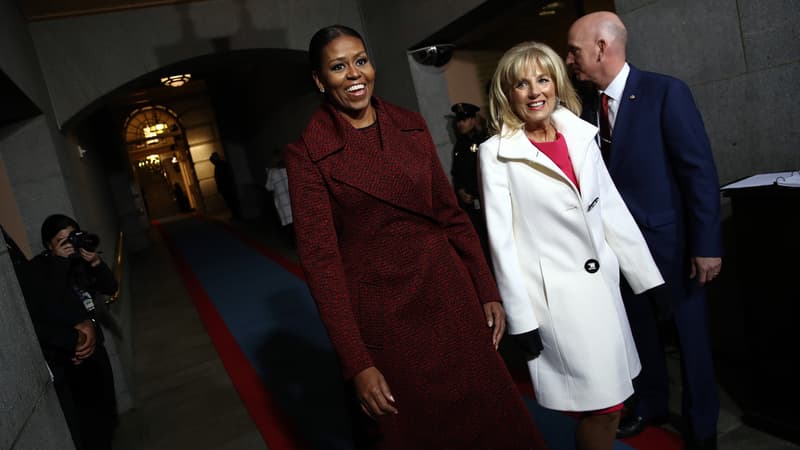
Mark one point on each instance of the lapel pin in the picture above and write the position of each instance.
(632, 97)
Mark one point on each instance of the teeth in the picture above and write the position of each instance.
(536, 104)
(355, 87)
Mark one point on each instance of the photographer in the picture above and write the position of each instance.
(61, 286)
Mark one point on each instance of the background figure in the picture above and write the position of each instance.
(226, 185)
(387, 253)
(180, 198)
(278, 184)
(469, 135)
(660, 159)
(560, 234)
(61, 287)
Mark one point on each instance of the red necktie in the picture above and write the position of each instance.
(605, 128)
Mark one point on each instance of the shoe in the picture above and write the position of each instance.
(631, 425)
(701, 444)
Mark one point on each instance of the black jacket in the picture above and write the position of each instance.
(465, 162)
(49, 284)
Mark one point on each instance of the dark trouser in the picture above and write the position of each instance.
(88, 399)
(700, 402)
(479, 223)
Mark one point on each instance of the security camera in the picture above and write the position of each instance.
(433, 55)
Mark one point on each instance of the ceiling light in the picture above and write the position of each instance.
(176, 80)
(551, 8)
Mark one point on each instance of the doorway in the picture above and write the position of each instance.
(161, 162)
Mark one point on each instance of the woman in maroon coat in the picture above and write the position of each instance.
(396, 269)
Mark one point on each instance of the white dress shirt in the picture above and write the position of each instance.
(614, 92)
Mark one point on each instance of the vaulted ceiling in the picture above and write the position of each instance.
(50, 9)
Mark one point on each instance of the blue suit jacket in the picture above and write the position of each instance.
(662, 164)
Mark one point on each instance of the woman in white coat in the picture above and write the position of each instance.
(560, 234)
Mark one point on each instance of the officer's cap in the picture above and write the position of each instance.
(464, 110)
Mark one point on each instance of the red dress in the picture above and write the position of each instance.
(399, 278)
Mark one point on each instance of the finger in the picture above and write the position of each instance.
(487, 311)
(693, 271)
(386, 393)
(374, 407)
(495, 325)
(499, 330)
(367, 411)
(382, 402)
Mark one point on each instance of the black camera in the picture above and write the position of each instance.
(86, 241)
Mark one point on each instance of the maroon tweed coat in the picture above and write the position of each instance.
(398, 276)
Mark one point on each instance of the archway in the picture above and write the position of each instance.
(161, 161)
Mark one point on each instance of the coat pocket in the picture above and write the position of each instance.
(371, 300)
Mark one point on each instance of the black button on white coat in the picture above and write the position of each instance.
(592, 265)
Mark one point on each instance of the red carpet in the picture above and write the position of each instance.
(652, 438)
(274, 429)
(279, 432)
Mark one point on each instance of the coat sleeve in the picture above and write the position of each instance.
(622, 234)
(103, 280)
(318, 249)
(693, 162)
(46, 295)
(498, 208)
(459, 229)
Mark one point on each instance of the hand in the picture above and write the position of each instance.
(86, 341)
(661, 297)
(64, 249)
(464, 196)
(530, 343)
(495, 318)
(705, 269)
(373, 393)
(91, 257)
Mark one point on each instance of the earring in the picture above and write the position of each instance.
(322, 90)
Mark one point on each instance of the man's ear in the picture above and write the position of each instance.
(601, 48)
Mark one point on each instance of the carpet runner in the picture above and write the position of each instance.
(263, 322)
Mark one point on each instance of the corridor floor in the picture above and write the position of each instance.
(184, 399)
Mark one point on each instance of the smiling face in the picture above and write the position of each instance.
(347, 77)
(533, 97)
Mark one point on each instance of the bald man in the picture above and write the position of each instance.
(657, 151)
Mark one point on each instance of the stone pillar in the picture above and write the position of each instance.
(30, 415)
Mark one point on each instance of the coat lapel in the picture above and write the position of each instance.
(376, 172)
(627, 109)
(577, 134)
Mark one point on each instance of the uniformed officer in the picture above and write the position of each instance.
(470, 134)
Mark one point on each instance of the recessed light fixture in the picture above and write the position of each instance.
(550, 8)
(176, 80)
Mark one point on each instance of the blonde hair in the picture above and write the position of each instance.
(511, 68)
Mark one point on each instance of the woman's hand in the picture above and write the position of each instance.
(373, 393)
(495, 318)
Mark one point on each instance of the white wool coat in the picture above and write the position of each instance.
(545, 235)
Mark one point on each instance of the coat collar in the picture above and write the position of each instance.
(327, 130)
(578, 134)
(381, 174)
